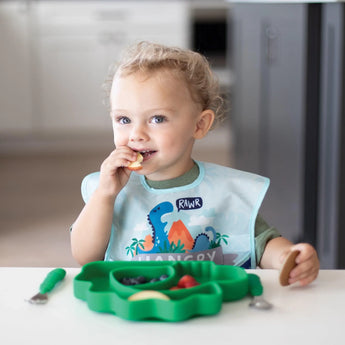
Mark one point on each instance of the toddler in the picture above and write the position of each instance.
(162, 100)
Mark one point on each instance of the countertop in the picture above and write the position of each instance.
(283, 1)
(301, 315)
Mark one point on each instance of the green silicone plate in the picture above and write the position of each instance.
(99, 284)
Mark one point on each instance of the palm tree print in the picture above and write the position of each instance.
(220, 238)
(133, 248)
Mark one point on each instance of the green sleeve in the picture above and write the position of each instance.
(263, 234)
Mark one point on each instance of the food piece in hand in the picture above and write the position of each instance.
(148, 294)
(288, 265)
(136, 165)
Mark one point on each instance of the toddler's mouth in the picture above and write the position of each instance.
(147, 154)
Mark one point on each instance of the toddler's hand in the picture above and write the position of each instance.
(308, 265)
(113, 172)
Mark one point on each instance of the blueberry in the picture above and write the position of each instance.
(126, 281)
(134, 281)
(141, 280)
(153, 280)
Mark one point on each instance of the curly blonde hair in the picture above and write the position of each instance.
(193, 67)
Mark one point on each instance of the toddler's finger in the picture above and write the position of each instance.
(303, 271)
(305, 278)
(121, 157)
(306, 252)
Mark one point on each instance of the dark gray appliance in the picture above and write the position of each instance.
(288, 116)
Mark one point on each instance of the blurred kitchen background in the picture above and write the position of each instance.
(281, 69)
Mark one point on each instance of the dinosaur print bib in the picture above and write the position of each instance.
(211, 219)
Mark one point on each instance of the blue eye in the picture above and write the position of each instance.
(158, 119)
(123, 120)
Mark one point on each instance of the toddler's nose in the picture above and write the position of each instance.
(138, 133)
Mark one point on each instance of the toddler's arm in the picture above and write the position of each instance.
(308, 265)
(91, 231)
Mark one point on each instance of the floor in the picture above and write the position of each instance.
(40, 195)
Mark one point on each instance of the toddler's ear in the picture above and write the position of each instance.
(204, 123)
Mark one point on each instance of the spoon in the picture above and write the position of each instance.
(256, 290)
(258, 302)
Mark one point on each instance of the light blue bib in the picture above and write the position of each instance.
(212, 218)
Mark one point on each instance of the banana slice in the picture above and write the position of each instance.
(148, 294)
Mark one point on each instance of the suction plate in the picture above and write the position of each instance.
(99, 284)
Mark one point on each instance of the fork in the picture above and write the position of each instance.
(48, 284)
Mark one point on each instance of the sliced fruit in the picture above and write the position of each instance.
(136, 165)
(187, 281)
(148, 294)
(175, 288)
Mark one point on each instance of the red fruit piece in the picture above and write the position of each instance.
(187, 281)
(191, 284)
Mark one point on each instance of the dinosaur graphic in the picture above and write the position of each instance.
(159, 235)
(202, 241)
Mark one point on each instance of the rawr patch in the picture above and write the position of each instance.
(189, 203)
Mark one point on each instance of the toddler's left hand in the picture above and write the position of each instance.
(308, 265)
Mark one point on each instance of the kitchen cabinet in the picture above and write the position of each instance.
(15, 68)
(69, 82)
(77, 42)
(55, 56)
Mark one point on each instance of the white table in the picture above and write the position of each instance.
(301, 315)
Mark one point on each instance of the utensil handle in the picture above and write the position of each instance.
(52, 278)
(255, 286)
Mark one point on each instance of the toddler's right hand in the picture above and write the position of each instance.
(113, 172)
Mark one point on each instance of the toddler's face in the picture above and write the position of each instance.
(155, 115)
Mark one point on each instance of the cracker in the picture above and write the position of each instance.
(288, 265)
(136, 165)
